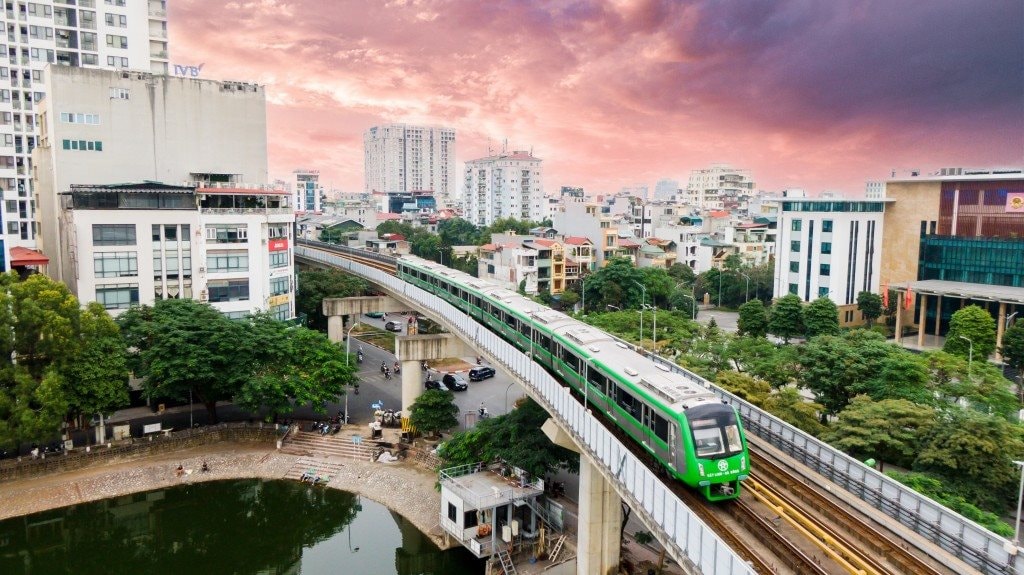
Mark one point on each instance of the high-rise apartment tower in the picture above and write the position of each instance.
(404, 158)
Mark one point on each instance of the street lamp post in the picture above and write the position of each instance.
(506, 395)
(1020, 499)
(970, 355)
(643, 298)
(190, 424)
(746, 294)
(348, 350)
(583, 292)
(720, 274)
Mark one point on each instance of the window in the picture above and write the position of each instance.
(227, 261)
(279, 285)
(115, 41)
(452, 512)
(794, 246)
(114, 2)
(90, 60)
(229, 290)
(823, 291)
(227, 234)
(119, 93)
(116, 264)
(117, 21)
(78, 118)
(795, 226)
(117, 62)
(826, 247)
(794, 266)
(113, 234)
(279, 259)
(88, 19)
(826, 225)
(280, 312)
(120, 296)
(793, 288)
(82, 145)
(825, 269)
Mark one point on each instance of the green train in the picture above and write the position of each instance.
(680, 423)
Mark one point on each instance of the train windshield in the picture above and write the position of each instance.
(715, 431)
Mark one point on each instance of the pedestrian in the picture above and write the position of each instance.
(179, 471)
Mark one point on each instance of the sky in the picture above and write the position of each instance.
(820, 95)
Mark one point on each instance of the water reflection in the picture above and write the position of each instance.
(243, 527)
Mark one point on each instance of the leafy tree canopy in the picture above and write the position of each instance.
(788, 405)
(970, 327)
(458, 232)
(870, 306)
(434, 411)
(753, 319)
(821, 317)
(315, 285)
(892, 430)
(786, 319)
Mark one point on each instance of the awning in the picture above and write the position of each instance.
(27, 257)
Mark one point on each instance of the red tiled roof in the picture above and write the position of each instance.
(626, 243)
(545, 243)
(27, 257)
(718, 214)
(578, 240)
(488, 247)
(388, 216)
(394, 237)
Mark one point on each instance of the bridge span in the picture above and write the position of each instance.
(688, 540)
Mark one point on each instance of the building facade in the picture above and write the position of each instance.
(405, 158)
(308, 192)
(708, 188)
(224, 244)
(113, 34)
(829, 248)
(192, 131)
(507, 185)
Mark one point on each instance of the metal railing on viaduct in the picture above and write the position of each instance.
(682, 533)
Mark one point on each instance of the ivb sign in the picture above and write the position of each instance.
(188, 71)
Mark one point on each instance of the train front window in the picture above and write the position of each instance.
(708, 440)
(715, 431)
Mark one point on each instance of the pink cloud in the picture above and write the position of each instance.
(816, 95)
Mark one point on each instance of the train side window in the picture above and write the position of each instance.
(462, 294)
(596, 379)
(658, 424)
(628, 402)
(475, 300)
(543, 341)
(570, 359)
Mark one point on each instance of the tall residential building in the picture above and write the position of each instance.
(404, 158)
(707, 188)
(308, 193)
(91, 34)
(507, 185)
(198, 149)
(829, 248)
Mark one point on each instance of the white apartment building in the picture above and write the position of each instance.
(507, 185)
(206, 142)
(308, 193)
(708, 187)
(666, 189)
(405, 158)
(829, 248)
(587, 221)
(118, 34)
(145, 127)
(226, 244)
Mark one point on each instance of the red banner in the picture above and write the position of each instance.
(278, 245)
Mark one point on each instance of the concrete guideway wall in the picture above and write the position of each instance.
(691, 543)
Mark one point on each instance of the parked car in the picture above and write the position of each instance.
(395, 326)
(454, 382)
(432, 384)
(374, 314)
(481, 373)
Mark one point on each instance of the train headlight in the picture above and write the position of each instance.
(700, 467)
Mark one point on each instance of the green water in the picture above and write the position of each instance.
(225, 528)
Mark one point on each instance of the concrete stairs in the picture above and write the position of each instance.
(309, 444)
(320, 468)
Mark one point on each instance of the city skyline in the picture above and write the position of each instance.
(819, 96)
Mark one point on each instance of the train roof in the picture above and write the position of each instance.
(674, 391)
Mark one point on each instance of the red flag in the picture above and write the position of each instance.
(885, 296)
(909, 301)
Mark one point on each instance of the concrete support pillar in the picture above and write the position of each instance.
(938, 314)
(922, 320)
(1000, 326)
(899, 318)
(412, 384)
(600, 519)
(336, 328)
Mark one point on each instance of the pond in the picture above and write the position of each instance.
(225, 527)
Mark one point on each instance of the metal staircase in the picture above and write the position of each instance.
(541, 513)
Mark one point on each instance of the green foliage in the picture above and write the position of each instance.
(744, 386)
(735, 289)
(315, 285)
(458, 232)
(1012, 349)
(568, 298)
(753, 319)
(515, 438)
(337, 234)
(891, 430)
(434, 411)
(986, 390)
(870, 306)
(786, 318)
(614, 285)
(833, 367)
(821, 317)
(676, 332)
(469, 264)
(934, 488)
(503, 225)
(681, 273)
(788, 405)
(682, 300)
(975, 324)
(973, 453)
(57, 360)
(428, 246)
(643, 537)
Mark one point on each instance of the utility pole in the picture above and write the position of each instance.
(643, 298)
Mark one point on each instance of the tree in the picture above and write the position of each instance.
(743, 386)
(681, 273)
(931, 487)
(428, 246)
(821, 317)
(788, 405)
(97, 379)
(434, 411)
(891, 430)
(1012, 351)
(753, 319)
(682, 300)
(568, 298)
(315, 285)
(189, 346)
(733, 262)
(786, 318)
(870, 306)
(458, 232)
(986, 390)
(977, 326)
(615, 285)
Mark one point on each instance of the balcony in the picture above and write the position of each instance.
(245, 211)
(161, 55)
(158, 13)
(161, 34)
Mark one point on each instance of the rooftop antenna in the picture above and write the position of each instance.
(504, 149)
